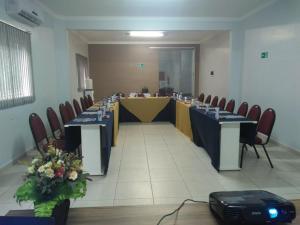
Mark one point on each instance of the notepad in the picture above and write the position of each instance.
(233, 117)
(89, 113)
(84, 120)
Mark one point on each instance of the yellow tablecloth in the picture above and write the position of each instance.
(115, 109)
(183, 122)
(145, 109)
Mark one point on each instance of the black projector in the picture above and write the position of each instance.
(251, 207)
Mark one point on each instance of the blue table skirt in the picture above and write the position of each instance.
(207, 132)
(73, 136)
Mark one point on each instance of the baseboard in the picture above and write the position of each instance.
(15, 159)
(277, 142)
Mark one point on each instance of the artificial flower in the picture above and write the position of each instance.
(73, 175)
(49, 173)
(30, 169)
(41, 169)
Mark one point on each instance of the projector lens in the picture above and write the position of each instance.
(273, 213)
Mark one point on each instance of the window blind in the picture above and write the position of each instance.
(16, 83)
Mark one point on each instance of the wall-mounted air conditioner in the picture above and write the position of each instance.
(25, 11)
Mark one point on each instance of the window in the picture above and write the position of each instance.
(82, 68)
(16, 84)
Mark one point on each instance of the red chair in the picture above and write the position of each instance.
(254, 113)
(208, 99)
(263, 134)
(64, 114)
(86, 102)
(222, 103)
(70, 110)
(230, 106)
(54, 124)
(77, 107)
(40, 136)
(214, 102)
(201, 97)
(243, 109)
(90, 100)
(83, 106)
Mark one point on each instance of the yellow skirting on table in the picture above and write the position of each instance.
(116, 122)
(183, 122)
(145, 109)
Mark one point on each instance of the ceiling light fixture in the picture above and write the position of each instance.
(147, 34)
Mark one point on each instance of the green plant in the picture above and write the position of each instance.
(51, 179)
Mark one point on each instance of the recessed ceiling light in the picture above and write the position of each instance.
(147, 34)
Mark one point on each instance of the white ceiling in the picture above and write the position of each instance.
(122, 37)
(154, 8)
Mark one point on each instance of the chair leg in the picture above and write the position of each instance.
(256, 152)
(268, 156)
(242, 156)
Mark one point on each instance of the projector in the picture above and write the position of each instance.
(251, 207)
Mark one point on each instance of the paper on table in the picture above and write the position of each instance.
(89, 113)
(84, 120)
(233, 117)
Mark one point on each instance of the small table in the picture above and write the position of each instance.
(190, 214)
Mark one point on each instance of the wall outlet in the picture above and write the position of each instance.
(212, 73)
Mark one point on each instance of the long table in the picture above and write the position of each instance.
(95, 137)
(146, 110)
(219, 137)
(190, 214)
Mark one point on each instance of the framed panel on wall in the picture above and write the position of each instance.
(82, 70)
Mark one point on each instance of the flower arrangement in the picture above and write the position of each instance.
(51, 179)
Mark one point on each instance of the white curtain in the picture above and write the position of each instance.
(16, 83)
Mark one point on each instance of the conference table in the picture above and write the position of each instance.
(146, 110)
(95, 137)
(220, 137)
(190, 214)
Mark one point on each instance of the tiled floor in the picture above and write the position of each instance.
(157, 164)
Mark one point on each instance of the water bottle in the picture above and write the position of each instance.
(99, 115)
(206, 108)
(217, 115)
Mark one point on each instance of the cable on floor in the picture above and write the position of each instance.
(177, 210)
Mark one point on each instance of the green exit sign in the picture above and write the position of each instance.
(141, 65)
(264, 55)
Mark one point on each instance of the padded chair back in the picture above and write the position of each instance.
(208, 99)
(77, 107)
(230, 106)
(83, 104)
(70, 110)
(201, 97)
(243, 109)
(90, 100)
(214, 102)
(86, 102)
(38, 131)
(64, 113)
(254, 113)
(222, 103)
(54, 123)
(266, 123)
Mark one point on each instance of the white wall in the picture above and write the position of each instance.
(76, 46)
(215, 56)
(274, 82)
(15, 134)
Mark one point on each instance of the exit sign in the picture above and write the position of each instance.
(264, 55)
(140, 65)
